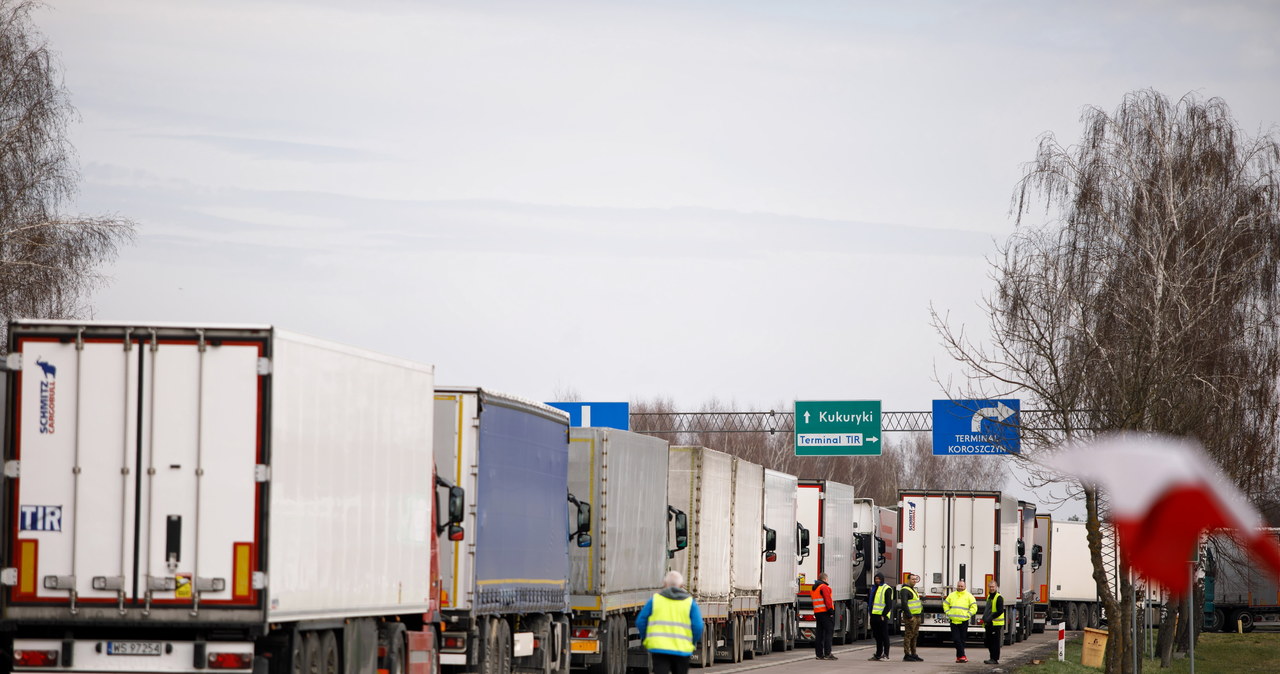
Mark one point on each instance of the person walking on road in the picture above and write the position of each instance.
(824, 613)
(993, 623)
(911, 618)
(881, 600)
(960, 607)
(670, 624)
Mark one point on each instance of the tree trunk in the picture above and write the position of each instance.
(1132, 644)
(1168, 631)
(1116, 629)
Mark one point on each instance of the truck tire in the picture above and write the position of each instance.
(618, 645)
(1216, 622)
(1244, 619)
(310, 653)
(561, 640)
(1095, 615)
(1073, 616)
(329, 663)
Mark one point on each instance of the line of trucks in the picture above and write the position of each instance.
(192, 498)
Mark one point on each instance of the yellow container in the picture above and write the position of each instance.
(1095, 647)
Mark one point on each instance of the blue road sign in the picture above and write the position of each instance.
(598, 415)
(966, 427)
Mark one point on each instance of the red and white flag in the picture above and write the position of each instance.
(1163, 493)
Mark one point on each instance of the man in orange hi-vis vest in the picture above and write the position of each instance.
(824, 612)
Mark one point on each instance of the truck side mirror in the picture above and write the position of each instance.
(457, 503)
(859, 554)
(1037, 557)
(1022, 547)
(583, 530)
(802, 539)
(770, 556)
(455, 532)
(681, 521)
(770, 541)
(880, 558)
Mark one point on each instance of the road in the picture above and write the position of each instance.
(939, 657)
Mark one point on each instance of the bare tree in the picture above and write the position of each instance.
(1148, 299)
(874, 477)
(48, 260)
(922, 470)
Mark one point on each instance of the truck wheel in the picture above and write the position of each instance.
(1217, 621)
(557, 657)
(329, 663)
(618, 645)
(1073, 616)
(1244, 618)
(311, 653)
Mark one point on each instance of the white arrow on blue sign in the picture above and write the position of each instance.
(968, 427)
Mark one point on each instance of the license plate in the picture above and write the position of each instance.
(939, 618)
(584, 646)
(133, 648)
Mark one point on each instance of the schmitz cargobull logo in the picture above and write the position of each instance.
(48, 396)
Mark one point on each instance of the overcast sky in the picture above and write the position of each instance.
(756, 201)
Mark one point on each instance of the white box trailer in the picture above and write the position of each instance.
(700, 484)
(778, 583)
(624, 476)
(231, 497)
(747, 523)
(1072, 591)
(825, 509)
(949, 536)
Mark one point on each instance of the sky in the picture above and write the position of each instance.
(753, 201)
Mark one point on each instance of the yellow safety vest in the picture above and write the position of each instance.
(878, 606)
(669, 628)
(913, 600)
(998, 621)
(960, 606)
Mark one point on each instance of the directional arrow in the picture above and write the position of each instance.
(873, 439)
(806, 417)
(1000, 412)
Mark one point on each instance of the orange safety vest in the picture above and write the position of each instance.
(819, 604)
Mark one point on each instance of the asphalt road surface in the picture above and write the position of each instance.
(938, 657)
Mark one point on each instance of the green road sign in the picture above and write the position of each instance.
(837, 428)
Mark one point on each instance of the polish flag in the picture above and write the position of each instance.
(1164, 492)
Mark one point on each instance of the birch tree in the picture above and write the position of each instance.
(49, 260)
(1139, 292)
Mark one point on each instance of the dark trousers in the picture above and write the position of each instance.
(665, 663)
(992, 638)
(959, 632)
(880, 630)
(825, 632)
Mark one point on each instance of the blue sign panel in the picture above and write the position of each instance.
(965, 427)
(598, 415)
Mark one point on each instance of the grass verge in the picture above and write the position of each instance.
(1215, 654)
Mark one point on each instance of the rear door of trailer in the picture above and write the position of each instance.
(134, 456)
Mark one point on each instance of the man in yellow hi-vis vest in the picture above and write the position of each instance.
(960, 607)
(912, 610)
(670, 624)
(993, 623)
(882, 598)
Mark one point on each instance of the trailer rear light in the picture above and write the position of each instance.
(584, 633)
(230, 660)
(806, 616)
(453, 643)
(35, 658)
